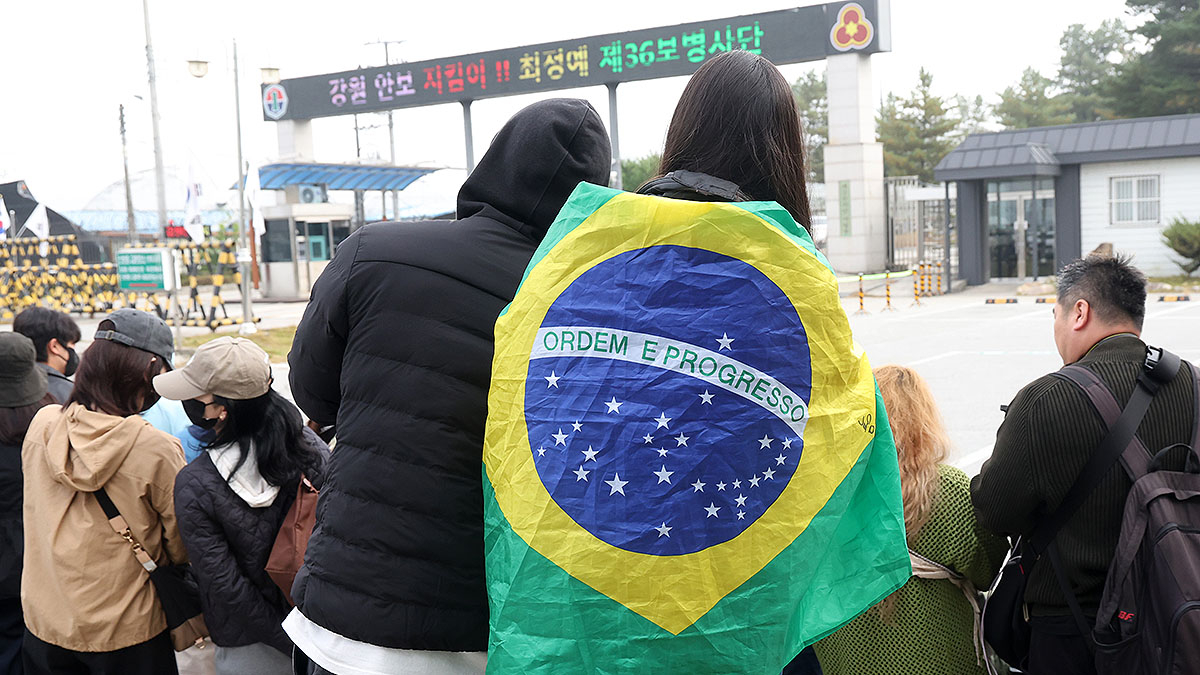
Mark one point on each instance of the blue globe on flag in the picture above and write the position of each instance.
(672, 428)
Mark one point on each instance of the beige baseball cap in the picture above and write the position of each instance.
(229, 367)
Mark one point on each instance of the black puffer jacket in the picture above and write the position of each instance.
(228, 543)
(12, 535)
(396, 345)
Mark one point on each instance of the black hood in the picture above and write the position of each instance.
(534, 163)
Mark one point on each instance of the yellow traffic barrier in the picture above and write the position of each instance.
(1000, 301)
(1174, 298)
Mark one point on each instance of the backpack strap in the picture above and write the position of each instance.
(1135, 458)
(1120, 442)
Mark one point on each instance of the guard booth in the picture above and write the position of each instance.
(297, 243)
(301, 233)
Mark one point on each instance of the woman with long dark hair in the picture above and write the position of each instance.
(735, 136)
(89, 604)
(23, 392)
(232, 499)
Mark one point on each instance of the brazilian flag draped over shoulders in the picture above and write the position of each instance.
(688, 467)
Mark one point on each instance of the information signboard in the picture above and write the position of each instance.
(146, 270)
(784, 36)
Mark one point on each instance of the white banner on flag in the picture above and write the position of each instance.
(38, 222)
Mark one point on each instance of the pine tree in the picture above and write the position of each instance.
(1089, 59)
(1031, 104)
(916, 132)
(1161, 81)
(811, 100)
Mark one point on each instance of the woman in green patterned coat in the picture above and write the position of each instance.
(928, 626)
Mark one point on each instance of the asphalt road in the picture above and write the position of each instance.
(977, 356)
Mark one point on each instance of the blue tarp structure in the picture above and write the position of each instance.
(339, 176)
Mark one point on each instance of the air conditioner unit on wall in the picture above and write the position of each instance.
(313, 194)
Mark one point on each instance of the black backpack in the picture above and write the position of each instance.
(1149, 616)
(1150, 592)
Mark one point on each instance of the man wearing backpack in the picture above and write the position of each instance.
(1052, 429)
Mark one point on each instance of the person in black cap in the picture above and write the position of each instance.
(89, 605)
(22, 394)
(54, 335)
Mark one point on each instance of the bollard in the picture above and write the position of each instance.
(925, 291)
(940, 290)
(887, 292)
(916, 289)
(861, 308)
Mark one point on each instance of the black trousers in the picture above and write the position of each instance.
(12, 629)
(302, 665)
(1058, 652)
(155, 656)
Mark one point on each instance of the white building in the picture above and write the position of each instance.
(1031, 200)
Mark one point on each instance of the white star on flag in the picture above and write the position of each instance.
(769, 474)
(787, 443)
(589, 454)
(577, 426)
(780, 459)
(617, 485)
(741, 515)
(712, 510)
(662, 420)
(648, 438)
(764, 442)
(681, 439)
(662, 452)
(552, 380)
(664, 530)
(581, 474)
(541, 452)
(737, 484)
(720, 487)
(560, 438)
(754, 481)
(725, 341)
(706, 398)
(613, 405)
(741, 500)
(664, 476)
(699, 486)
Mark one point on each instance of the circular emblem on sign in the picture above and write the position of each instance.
(672, 425)
(852, 30)
(275, 101)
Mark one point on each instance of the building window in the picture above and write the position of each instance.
(1133, 200)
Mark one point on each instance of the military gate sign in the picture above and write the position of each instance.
(786, 36)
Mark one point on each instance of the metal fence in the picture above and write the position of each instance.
(919, 230)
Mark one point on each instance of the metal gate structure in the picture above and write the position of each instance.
(922, 226)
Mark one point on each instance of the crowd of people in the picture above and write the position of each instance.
(204, 462)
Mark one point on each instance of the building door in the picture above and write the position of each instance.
(1021, 229)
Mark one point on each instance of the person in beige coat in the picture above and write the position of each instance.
(89, 605)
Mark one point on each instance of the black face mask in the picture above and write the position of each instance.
(195, 413)
(150, 400)
(72, 362)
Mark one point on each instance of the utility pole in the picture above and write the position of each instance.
(128, 191)
(158, 157)
(243, 254)
(391, 128)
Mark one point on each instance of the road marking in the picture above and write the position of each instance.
(974, 458)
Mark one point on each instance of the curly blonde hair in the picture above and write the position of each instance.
(921, 441)
(921, 444)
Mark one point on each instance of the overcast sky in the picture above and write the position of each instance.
(68, 64)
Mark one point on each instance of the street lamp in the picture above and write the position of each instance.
(199, 68)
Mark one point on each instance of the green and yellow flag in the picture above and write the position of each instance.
(688, 465)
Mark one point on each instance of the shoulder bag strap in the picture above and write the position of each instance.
(117, 521)
(1157, 371)
(925, 568)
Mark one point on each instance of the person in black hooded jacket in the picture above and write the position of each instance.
(396, 348)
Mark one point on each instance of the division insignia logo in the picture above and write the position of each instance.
(852, 30)
(275, 101)
(669, 420)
